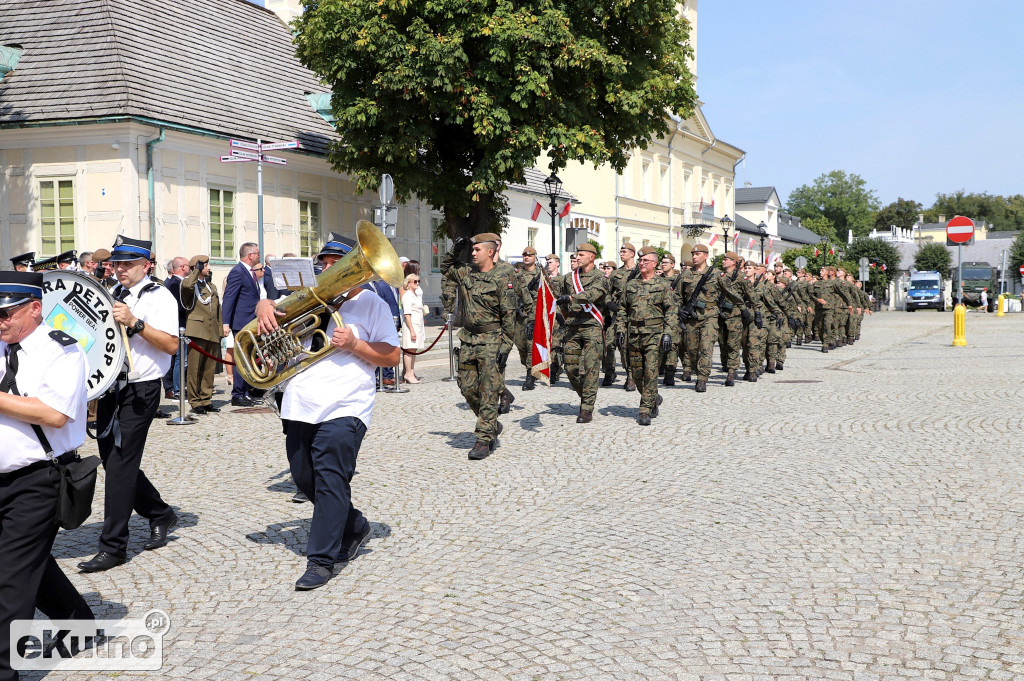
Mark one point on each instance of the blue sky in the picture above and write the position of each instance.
(915, 96)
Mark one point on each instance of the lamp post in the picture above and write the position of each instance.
(553, 186)
(762, 230)
(726, 224)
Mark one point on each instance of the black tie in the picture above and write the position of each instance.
(12, 367)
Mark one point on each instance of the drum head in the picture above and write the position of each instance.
(80, 306)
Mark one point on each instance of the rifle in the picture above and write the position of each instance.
(722, 302)
(687, 313)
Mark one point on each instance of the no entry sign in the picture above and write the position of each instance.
(959, 230)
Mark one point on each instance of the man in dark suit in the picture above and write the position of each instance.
(242, 290)
(177, 270)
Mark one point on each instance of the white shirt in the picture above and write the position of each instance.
(54, 374)
(158, 309)
(342, 384)
(259, 282)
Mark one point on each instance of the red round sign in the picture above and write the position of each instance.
(959, 230)
(1022, 270)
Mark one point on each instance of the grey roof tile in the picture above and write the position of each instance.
(753, 194)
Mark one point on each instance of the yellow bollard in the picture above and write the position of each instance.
(959, 324)
(1001, 305)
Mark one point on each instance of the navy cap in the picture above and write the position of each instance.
(45, 265)
(67, 256)
(19, 287)
(336, 245)
(24, 259)
(125, 249)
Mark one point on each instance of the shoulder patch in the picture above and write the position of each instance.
(510, 284)
(62, 337)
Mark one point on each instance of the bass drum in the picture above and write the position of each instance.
(80, 306)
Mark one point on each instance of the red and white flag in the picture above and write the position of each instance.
(701, 207)
(736, 239)
(884, 267)
(712, 240)
(544, 320)
(750, 244)
(565, 209)
(832, 250)
(817, 251)
(770, 242)
(536, 210)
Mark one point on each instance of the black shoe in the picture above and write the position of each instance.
(630, 385)
(299, 498)
(687, 376)
(644, 419)
(158, 533)
(750, 377)
(701, 387)
(656, 410)
(494, 443)
(101, 561)
(243, 402)
(161, 414)
(670, 378)
(778, 366)
(771, 368)
(212, 409)
(199, 411)
(350, 546)
(586, 416)
(824, 348)
(481, 450)
(314, 578)
(789, 345)
(530, 382)
(730, 379)
(608, 379)
(505, 402)
(831, 346)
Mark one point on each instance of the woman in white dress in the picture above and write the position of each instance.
(412, 328)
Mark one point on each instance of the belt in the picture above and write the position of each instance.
(483, 329)
(63, 459)
(646, 322)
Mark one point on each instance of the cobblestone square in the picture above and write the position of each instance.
(855, 517)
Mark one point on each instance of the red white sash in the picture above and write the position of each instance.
(577, 286)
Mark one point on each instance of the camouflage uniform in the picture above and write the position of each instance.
(701, 329)
(617, 284)
(753, 334)
(488, 322)
(822, 313)
(583, 334)
(774, 323)
(526, 287)
(648, 312)
(730, 327)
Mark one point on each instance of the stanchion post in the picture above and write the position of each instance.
(182, 419)
(1001, 305)
(451, 349)
(959, 326)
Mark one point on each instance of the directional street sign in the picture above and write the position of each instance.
(234, 159)
(959, 230)
(275, 159)
(245, 154)
(281, 145)
(242, 144)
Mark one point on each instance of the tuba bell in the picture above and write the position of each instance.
(265, 360)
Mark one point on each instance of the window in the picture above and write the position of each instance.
(646, 242)
(309, 228)
(222, 223)
(57, 210)
(647, 180)
(531, 237)
(664, 185)
(439, 244)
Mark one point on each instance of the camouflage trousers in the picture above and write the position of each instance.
(752, 343)
(608, 356)
(481, 383)
(583, 347)
(524, 344)
(730, 340)
(557, 332)
(678, 352)
(773, 337)
(645, 359)
(700, 347)
(808, 328)
(787, 334)
(823, 325)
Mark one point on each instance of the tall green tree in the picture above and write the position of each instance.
(933, 257)
(844, 200)
(901, 212)
(1016, 255)
(879, 253)
(983, 206)
(455, 98)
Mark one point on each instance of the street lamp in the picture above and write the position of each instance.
(762, 230)
(726, 224)
(553, 186)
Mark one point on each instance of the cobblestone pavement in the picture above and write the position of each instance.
(857, 516)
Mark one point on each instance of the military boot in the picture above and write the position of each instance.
(505, 402)
(670, 377)
(655, 411)
(644, 419)
(701, 387)
(530, 382)
(730, 378)
(778, 366)
(481, 450)
(831, 346)
(770, 368)
(747, 376)
(686, 376)
(586, 416)
(630, 385)
(799, 341)
(609, 378)
(824, 348)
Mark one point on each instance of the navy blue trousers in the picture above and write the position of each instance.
(322, 457)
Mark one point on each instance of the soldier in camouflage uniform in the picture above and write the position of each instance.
(645, 323)
(790, 305)
(627, 253)
(608, 358)
(527, 284)
(583, 335)
(822, 310)
(551, 271)
(730, 320)
(774, 321)
(488, 324)
(516, 292)
(753, 324)
(700, 320)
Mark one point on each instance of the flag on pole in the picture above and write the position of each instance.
(884, 267)
(736, 239)
(817, 251)
(750, 244)
(544, 319)
(770, 242)
(701, 207)
(712, 240)
(565, 210)
(832, 250)
(536, 210)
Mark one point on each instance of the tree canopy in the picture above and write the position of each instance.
(1005, 213)
(455, 98)
(901, 212)
(933, 257)
(843, 200)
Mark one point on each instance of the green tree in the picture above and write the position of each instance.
(933, 257)
(844, 200)
(455, 99)
(982, 206)
(901, 212)
(1016, 255)
(879, 253)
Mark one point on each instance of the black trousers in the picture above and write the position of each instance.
(322, 457)
(29, 576)
(127, 487)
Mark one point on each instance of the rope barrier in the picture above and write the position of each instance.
(429, 347)
(198, 349)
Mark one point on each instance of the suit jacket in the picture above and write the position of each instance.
(241, 294)
(268, 284)
(173, 285)
(204, 320)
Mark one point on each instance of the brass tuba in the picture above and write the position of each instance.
(264, 360)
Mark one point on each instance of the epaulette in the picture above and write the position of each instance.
(62, 337)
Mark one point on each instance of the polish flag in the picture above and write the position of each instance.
(750, 244)
(565, 210)
(832, 250)
(536, 210)
(817, 251)
(712, 240)
(884, 267)
(770, 242)
(544, 319)
(701, 207)
(736, 239)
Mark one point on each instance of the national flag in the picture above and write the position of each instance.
(832, 250)
(712, 240)
(872, 265)
(736, 239)
(544, 319)
(701, 207)
(433, 248)
(884, 268)
(770, 242)
(772, 257)
(817, 251)
(565, 210)
(750, 244)
(536, 210)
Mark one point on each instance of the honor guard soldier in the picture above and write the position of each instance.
(327, 409)
(23, 262)
(42, 414)
(582, 295)
(486, 334)
(648, 311)
(551, 271)
(608, 359)
(123, 416)
(617, 282)
(529, 282)
(203, 328)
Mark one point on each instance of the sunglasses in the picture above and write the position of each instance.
(257, 269)
(9, 312)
